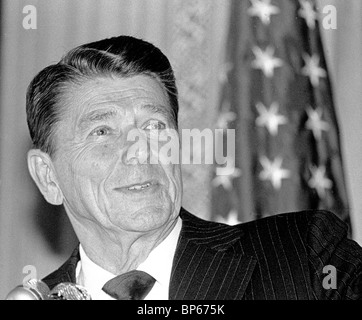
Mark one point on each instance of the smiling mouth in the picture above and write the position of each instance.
(138, 187)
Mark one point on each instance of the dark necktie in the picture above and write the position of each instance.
(132, 285)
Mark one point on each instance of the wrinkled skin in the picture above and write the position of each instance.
(100, 181)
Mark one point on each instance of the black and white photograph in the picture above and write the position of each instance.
(181, 150)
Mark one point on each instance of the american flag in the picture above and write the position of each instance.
(277, 96)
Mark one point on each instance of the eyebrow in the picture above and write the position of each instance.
(101, 115)
(95, 116)
(158, 109)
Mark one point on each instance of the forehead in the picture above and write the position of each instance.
(103, 97)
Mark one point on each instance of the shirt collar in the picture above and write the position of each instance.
(92, 276)
(158, 264)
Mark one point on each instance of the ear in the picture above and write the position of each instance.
(42, 171)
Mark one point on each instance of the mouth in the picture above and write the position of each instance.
(139, 187)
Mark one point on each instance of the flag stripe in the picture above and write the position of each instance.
(287, 147)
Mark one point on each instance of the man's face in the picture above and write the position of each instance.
(99, 181)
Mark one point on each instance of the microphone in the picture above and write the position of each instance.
(38, 290)
(69, 291)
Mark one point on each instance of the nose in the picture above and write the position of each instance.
(136, 148)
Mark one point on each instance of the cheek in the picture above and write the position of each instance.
(173, 173)
(95, 162)
(103, 158)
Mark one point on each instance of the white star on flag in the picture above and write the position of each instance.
(265, 60)
(312, 69)
(231, 219)
(262, 9)
(225, 180)
(270, 118)
(315, 122)
(319, 181)
(224, 118)
(273, 171)
(308, 13)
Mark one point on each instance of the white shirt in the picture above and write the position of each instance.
(158, 264)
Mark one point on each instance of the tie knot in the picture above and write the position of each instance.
(132, 285)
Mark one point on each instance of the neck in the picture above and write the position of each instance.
(123, 252)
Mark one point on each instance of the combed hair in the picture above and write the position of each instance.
(122, 56)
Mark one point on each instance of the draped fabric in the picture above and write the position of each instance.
(277, 97)
(192, 34)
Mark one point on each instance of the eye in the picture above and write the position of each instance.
(101, 131)
(155, 125)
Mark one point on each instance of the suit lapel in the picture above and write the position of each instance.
(66, 273)
(206, 267)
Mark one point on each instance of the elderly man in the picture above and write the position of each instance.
(127, 213)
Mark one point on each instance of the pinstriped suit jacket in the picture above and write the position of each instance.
(279, 257)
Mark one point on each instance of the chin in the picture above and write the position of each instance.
(147, 219)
